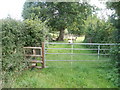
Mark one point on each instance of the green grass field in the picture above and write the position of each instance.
(84, 74)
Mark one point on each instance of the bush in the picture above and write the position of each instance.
(116, 50)
(16, 35)
(35, 32)
(12, 42)
(98, 31)
(116, 59)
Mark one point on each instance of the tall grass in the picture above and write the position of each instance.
(91, 74)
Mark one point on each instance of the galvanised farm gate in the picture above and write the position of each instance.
(74, 51)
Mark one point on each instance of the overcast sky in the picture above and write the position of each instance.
(14, 8)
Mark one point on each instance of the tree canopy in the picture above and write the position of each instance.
(115, 18)
(98, 31)
(59, 15)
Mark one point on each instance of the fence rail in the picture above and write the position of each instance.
(77, 53)
(76, 49)
(98, 49)
(78, 60)
(45, 48)
(85, 43)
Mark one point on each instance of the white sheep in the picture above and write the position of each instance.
(70, 40)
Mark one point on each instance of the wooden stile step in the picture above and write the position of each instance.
(32, 47)
(33, 64)
(33, 55)
(36, 61)
(39, 67)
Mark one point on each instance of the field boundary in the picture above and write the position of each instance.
(45, 48)
(98, 49)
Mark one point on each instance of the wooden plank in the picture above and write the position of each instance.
(34, 52)
(39, 67)
(36, 61)
(33, 55)
(34, 64)
(32, 47)
(43, 64)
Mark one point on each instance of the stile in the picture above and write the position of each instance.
(34, 54)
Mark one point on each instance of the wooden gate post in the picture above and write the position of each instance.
(43, 62)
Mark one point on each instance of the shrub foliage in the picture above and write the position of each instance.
(35, 32)
(11, 43)
(16, 35)
(98, 31)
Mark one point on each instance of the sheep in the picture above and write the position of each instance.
(70, 41)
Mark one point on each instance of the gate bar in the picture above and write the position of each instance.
(77, 53)
(77, 60)
(85, 43)
(76, 49)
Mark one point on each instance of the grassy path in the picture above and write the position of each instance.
(67, 74)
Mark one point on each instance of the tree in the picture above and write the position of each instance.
(115, 19)
(60, 15)
(98, 31)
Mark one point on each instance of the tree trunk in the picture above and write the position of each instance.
(61, 35)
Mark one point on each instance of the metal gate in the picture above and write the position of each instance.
(76, 50)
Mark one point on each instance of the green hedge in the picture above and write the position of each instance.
(12, 35)
(98, 31)
(16, 35)
(35, 32)
(12, 53)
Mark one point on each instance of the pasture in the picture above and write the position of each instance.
(82, 74)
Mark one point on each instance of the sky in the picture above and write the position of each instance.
(14, 8)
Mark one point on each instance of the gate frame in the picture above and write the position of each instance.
(98, 49)
(43, 52)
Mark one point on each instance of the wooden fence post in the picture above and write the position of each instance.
(43, 62)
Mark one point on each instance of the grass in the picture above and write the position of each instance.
(67, 74)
